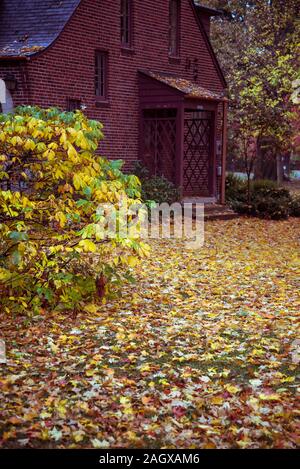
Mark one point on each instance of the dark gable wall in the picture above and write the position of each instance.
(66, 69)
(205, 18)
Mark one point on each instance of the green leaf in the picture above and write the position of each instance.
(116, 164)
(16, 258)
(18, 236)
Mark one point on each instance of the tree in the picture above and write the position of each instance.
(258, 46)
(57, 198)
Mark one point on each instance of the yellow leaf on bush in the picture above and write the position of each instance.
(77, 181)
(87, 245)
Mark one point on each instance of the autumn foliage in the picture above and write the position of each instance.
(53, 250)
(257, 43)
(204, 353)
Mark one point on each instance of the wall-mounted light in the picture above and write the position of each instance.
(11, 82)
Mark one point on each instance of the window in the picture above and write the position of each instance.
(126, 23)
(101, 75)
(174, 34)
(73, 105)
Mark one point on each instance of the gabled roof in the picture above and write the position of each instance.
(189, 89)
(29, 26)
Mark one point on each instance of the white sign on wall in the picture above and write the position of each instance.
(2, 92)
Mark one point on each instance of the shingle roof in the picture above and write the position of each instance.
(29, 26)
(188, 88)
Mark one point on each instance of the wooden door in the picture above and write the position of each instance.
(198, 153)
(159, 142)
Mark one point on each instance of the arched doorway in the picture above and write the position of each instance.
(6, 101)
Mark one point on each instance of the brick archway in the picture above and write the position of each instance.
(6, 100)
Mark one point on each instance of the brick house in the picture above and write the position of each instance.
(146, 69)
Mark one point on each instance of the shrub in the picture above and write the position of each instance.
(54, 250)
(235, 188)
(267, 200)
(273, 203)
(159, 190)
(141, 171)
(265, 203)
(263, 184)
(295, 206)
(156, 188)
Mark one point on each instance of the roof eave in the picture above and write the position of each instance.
(173, 88)
(208, 10)
(206, 98)
(17, 58)
(182, 93)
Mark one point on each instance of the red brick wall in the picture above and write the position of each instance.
(19, 71)
(66, 69)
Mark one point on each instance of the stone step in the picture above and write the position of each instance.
(219, 212)
(215, 212)
(211, 208)
(229, 215)
(200, 200)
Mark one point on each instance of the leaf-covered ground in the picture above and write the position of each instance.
(201, 352)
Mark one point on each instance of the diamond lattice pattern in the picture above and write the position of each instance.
(160, 144)
(197, 156)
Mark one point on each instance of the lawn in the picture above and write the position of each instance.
(200, 352)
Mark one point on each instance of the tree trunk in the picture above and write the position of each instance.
(249, 188)
(279, 169)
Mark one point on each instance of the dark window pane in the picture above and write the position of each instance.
(174, 28)
(74, 104)
(126, 15)
(101, 74)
